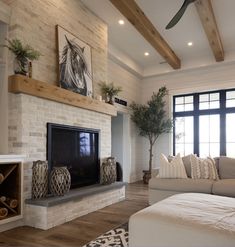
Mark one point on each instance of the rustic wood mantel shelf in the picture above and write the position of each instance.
(23, 84)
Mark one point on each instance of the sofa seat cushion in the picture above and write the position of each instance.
(224, 187)
(181, 184)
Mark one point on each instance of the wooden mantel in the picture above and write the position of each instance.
(23, 84)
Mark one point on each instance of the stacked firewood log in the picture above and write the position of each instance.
(7, 204)
(1, 178)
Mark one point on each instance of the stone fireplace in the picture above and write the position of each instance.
(28, 134)
(28, 118)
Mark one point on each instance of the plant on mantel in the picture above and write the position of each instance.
(23, 54)
(109, 91)
(152, 121)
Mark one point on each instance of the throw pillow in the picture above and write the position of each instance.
(173, 169)
(203, 168)
(186, 162)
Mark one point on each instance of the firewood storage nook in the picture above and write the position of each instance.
(10, 188)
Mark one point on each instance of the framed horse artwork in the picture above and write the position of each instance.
(75, 69)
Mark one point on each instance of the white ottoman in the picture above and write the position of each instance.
(185, 220)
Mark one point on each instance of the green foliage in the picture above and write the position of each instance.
(109, 89)
(22, 51)
(151, 119)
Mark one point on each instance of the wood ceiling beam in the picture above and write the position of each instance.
(138, 19)
(207, 17)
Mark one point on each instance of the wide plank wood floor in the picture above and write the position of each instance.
(83, 229)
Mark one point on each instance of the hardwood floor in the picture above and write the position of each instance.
(83, 229)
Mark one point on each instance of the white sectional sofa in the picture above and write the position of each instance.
(160, 189)
(185, 220)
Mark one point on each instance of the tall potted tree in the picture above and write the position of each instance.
(152, 121)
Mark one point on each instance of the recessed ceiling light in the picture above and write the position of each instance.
(190, 43)
(146, 54)
(121, 22)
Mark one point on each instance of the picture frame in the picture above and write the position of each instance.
(75, 63)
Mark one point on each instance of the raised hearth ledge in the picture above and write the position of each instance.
(44, 217)
(75, 194)
(26, 85)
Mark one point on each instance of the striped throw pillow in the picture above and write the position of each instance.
(173, 169)
(203, 168)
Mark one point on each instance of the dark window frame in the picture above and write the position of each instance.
(222, 111)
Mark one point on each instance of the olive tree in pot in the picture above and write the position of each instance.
(152, 121)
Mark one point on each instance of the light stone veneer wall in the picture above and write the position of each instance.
(28, 116)
(34, 22)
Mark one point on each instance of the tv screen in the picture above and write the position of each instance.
(77, 149)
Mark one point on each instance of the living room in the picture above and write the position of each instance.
(125, 47)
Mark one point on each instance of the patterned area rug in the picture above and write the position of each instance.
(117, 237)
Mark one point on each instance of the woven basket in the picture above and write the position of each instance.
(39, 179)
(108, 171)
(60, 181)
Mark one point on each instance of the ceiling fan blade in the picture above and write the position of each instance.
(179, 14)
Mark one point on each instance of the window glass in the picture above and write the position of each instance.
(188, 107)
(230, 103)
(230, 95)
(184, 135)
(179, 108)
(184, 103)
(188, 99)
(209, 101)
(209, 135)
(179, 100)
(214, 96)
(204, 97)
(230, 135)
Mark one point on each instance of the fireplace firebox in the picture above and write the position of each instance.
(77, 149)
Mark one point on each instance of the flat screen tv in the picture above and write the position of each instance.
(77, 149)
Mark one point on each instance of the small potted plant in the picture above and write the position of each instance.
(23, 54)
(109, 91)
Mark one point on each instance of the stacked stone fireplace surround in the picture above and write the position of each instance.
(35, 24)
(28, 118)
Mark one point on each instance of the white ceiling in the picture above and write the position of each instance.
(127, 39)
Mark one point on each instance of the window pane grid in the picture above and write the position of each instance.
(209, 101)
(183, 104)
(211, 106)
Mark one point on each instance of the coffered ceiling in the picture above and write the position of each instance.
(128, 40)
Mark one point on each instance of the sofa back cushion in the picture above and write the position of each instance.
(186, 162)
(173, 169)
(203, 168)
(226, 167)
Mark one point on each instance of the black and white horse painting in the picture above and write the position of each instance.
(74, 63)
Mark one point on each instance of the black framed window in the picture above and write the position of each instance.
(204, 123)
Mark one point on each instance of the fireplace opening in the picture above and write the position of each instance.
(77, 149)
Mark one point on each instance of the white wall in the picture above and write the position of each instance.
(131, 86)
(117, 140)
(215, 77)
